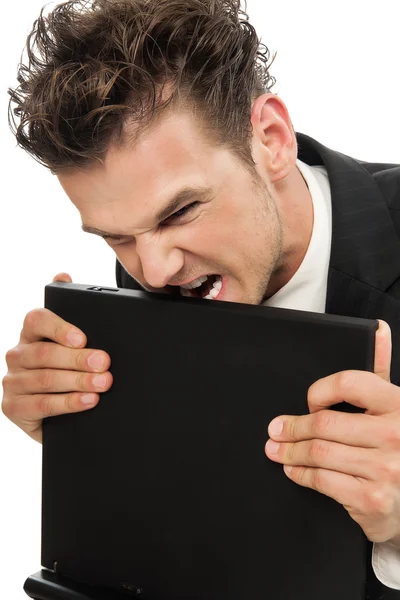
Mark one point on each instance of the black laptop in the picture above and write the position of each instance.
(163, 491)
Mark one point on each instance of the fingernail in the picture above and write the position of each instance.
(99, 381)
(88, 399)
(96, 361)
(272, 447)
(75, 338)
(288, 469)
(275, 427)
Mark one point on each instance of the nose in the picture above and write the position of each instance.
(160, 260)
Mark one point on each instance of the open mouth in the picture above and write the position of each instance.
(207, 287)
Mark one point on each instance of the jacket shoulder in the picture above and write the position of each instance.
(387, 178)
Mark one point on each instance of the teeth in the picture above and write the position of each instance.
(218, 284)
(216, 288)
(214, 292)
(194, 284)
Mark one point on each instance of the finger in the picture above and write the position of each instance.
(359, 388)
(47, 381)
(369, 504)
(359, 430)
(62, 277)
(40, 355)
(42, 323)
(321, 454)
(34, 408)
(383, 351)
(343, 488)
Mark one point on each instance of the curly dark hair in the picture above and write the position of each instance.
(96, 66)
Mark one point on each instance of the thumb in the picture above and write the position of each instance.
(62, 277)
(383, 351)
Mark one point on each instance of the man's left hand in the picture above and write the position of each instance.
(352, 457)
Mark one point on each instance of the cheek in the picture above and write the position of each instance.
(204, 239)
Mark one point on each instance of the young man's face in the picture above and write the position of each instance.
(224, 227)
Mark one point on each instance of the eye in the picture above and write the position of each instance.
(181, 213)
(115, 241)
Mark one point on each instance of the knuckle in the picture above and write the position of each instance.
(318, 451)
(346, 382)
(293, 428)
(43, 352)
(289, 452)
(13, 355)
(45, 379)
(317, 480)
(7, 407)
(59, 330)
(43, 405)
(83, 382)
(32, 319)
(378, 502)
(391, 434)
(80, 358)
(390, 470)
(6, 381)
(70, 400)
(312, 393)
(322, 421)
(73, 402)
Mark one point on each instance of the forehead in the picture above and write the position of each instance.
(171, 155)
(176, 140)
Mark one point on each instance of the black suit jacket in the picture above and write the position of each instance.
(364, 270)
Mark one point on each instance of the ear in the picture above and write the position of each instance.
(274, 140)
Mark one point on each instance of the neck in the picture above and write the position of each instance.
(297, 217)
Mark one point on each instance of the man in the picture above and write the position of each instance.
(157, 118)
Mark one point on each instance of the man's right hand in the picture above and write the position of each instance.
(45, 378)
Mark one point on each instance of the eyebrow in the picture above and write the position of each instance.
(180, 198)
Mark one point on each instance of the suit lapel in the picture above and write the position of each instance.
(365, 245)
(365, 250)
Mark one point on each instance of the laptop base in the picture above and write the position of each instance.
(47, 585)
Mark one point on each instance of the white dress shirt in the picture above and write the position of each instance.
(307, 290)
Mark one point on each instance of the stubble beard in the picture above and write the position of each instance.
(274, 243)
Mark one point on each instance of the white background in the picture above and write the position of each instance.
(337, 69)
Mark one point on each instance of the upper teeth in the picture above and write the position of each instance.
(195, 284)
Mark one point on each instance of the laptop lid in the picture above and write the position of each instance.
(164, 489)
